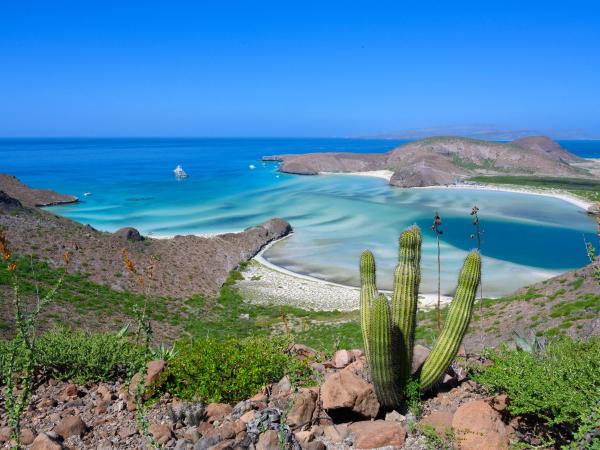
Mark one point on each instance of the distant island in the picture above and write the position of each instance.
(439, 161)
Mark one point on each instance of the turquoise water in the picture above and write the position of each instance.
(526, 238)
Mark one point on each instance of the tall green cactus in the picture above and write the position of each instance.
(389, 337)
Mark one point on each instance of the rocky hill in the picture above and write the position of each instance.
(182, 266)
(444, 160)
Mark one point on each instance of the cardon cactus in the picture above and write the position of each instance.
(389, 333)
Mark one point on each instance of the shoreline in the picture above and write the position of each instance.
(558, 194)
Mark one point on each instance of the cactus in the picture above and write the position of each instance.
(389, 336)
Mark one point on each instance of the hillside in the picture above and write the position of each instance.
(445, 160)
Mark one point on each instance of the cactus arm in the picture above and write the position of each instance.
(405, 298)
(382, 354)
(368, 293)
(457, 322)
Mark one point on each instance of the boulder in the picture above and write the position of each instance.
(269, 440)
(217, 411)
(479, 427)
(5, 434)
(342, 358)
(128, 234)
(439, 420)
(346, 391)
(420, 354)
(70, 426)
(154, 370)
(304, 352)
(161, 432)
(46, 441)
(302, 409)
(378, 433)
(27, 436)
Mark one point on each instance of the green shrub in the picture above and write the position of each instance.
(79, 356)
(232, 369)
(558, 386)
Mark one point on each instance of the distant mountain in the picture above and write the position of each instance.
(445, 160)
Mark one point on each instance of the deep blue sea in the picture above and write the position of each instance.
(526, 238)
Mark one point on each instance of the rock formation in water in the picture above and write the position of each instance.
(444, 160)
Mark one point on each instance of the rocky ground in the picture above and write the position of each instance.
(341, 412)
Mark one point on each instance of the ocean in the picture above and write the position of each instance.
(131, 183)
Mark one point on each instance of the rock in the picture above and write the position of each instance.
(104, 393)
(227, 430)
(44, 441)
(304, 437)
(128, 234)
(248, 416)
(283, 388)
(342, 358)
(420, 354)
(336, 433)
(5, 434)
(441, 421)
(378, 433)
(344, 390)
(70, 426)
(225, 445)
(478, 427)
(395, 416)
(125, 432)
(500, 402)
(269, 440)
(161, 432)
(217, 411)
(316, 445)
(205, 442)
(302, 409)
(154, 370)
(69, 392)
(304, 352)
(27, 436)
(594, 210)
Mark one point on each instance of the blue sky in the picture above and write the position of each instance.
(297, 68)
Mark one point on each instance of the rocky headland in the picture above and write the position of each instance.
(181, 266)
(445, 160)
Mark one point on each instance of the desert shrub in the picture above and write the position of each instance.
(80, 356)
(232, 369)
(558, 386)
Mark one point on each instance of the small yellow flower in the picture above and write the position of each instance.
(12, 267)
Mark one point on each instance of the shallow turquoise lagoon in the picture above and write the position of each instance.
(526, 238)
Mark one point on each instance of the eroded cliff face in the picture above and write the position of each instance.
(183, 266)
(444, 160)
(11, 186)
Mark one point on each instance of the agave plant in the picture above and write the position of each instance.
(389, 332)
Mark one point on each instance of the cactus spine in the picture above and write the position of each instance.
(382, 360)
(389, 337)
(368, 294)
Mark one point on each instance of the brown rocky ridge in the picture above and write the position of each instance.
(444, 160)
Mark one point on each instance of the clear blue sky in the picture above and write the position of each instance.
(296, 68)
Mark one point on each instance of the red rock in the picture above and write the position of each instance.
(304, 352)
(239, 426)
(5, 434)
(304, 437)
(420, 354)
(46, 402)
(44, 442)
(342, 358)
(154, 370)
(224, 445)
(104, 393)
(336, 433)
(69, 393)
(217, 411)
(161, 432)
(248, 416)
(70, 426)
(227, 431)
(125, 432)
(283, 388)
(439, 420)
(378, 433)
(346, 390)
(205, 428)
(500, 402)
(269, 440)
(302, 409)
(357, 353)
(27, 436)
(478, 427)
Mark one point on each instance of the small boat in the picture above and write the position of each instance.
(252, 166)
(86, 194)
(180, 173)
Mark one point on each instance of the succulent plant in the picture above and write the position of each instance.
(389, 333)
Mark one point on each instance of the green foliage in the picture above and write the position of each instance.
(81, 356)
(557, 386)
(230, 370)
(586, 303)
(390, 334)
(435, 441)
